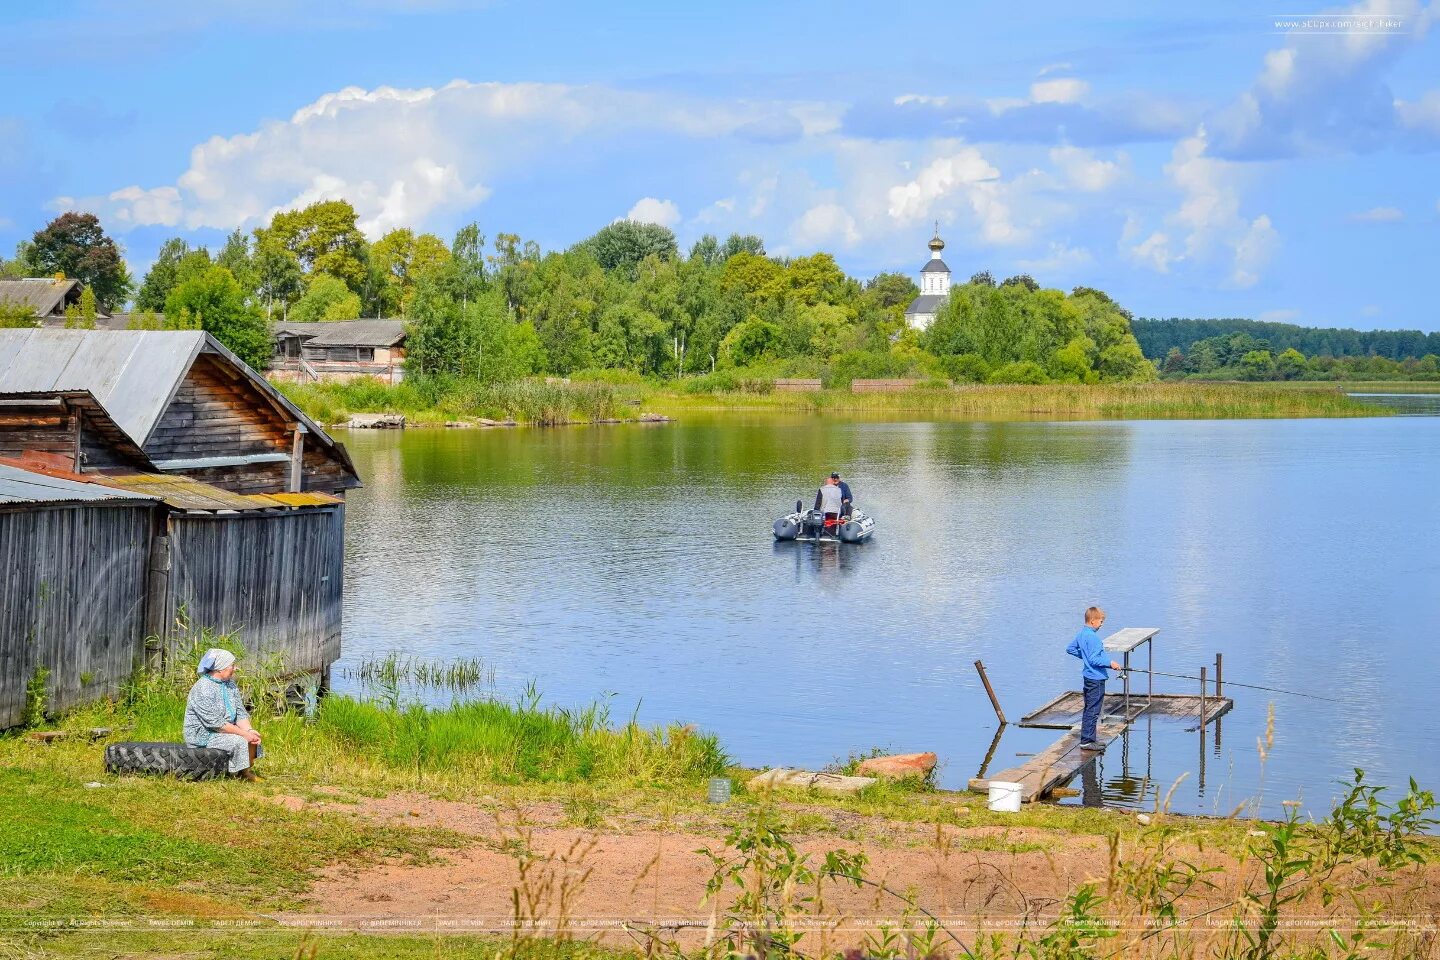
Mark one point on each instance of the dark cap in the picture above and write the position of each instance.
(834, 475)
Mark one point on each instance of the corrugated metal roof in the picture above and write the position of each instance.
(43, 295)
(358, 333)
(133, 373)
(23, 486)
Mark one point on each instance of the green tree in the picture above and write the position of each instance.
(214, 301)
(323, 238)
(327, 299)
(747, 342)
(1290, 364)
(74, 245)
(467, 253)
(1018, 371)
(160, 278)
(16, 316)
(1257, 364)
(237, 257)
(746, 243)
(278, 278)
(401, 258)
(622, 245)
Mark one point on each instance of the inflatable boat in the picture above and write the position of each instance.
(811, 525)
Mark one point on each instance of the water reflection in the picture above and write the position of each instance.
(640, 561)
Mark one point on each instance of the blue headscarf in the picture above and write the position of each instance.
(215, 659)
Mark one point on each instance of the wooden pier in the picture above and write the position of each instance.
(1060, 761)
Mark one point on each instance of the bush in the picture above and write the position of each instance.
(966, 368)
(1019, 371)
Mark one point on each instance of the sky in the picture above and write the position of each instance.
(1215, 162)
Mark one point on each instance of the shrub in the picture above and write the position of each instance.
(1018, 371)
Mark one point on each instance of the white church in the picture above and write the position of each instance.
(934, 287)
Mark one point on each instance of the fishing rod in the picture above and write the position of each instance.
(1232, 683)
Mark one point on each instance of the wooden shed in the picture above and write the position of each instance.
(233, 515)
(187, 402)
(73, 562)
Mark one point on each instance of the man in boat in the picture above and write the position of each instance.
(1095, 670)
(847, 502)
(830, 502)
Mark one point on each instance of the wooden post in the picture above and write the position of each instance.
(1219, 675)
(1202, 699)
(994, 701)
(297, 459)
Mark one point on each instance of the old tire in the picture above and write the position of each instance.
(175, 759)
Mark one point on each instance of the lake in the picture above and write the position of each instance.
(635, 563)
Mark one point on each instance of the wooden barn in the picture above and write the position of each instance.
(339, 350)
(191, 405)
(72, 590)
(242, 496)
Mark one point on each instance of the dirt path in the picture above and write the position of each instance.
(594, 881)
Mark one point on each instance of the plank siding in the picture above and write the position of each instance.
(72, 588)
(21, 433)
(276, 579)
(213, 415)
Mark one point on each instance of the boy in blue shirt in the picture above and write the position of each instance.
(1094, 672)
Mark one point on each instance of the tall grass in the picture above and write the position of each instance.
(433, 400)
(389, 742)
(1049, 402)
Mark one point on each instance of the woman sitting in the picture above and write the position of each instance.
(216, 717)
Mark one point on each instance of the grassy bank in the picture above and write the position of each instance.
(132, 855)
(542, 403)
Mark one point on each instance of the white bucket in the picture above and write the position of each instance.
(1005, 796)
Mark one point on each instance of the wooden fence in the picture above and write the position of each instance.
(275, 580)
(882, 386)
(795, 385)
(72, 592)
(82, 588)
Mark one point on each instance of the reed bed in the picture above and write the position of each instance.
(421, 401)
(1181, 401)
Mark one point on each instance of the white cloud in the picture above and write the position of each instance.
(912, 200)
(824, 224)
(1084, 170)
(1209, 213)
(921, 98)
(1379, 215)
(1284, 315)
(1059, 90)
(1061, 258)
(1370, 310)
(651, 210)
(402, 155)
(1327, 93)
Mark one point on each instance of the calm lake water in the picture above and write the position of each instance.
(635, 562)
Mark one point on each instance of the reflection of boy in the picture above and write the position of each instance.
(1094, 671)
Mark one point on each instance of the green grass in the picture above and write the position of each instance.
(433, 403)
(1050, 402)
(542, 403)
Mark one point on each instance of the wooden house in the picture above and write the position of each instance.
(339, 350)
(191, 405)
(235, 511)
(45, 297)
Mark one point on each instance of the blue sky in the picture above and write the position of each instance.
(1192, 164)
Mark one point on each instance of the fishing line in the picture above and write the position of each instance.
(1233, 683)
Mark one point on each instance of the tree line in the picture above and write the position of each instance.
(1239, 356)
(624, 302)
(1157, 337)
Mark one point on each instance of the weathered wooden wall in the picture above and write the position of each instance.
(36, 431)
(214, 415)
(276, 579)
(72, 590)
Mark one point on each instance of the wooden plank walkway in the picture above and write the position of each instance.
(1052, 766)
(1064, 711)
(1060, 761)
